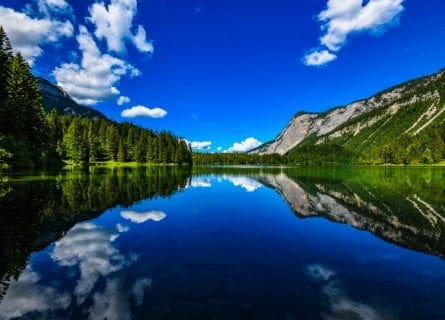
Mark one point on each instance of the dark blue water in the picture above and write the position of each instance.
(231, 247)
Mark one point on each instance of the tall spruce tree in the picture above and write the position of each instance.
(25, 119)
(5, 60)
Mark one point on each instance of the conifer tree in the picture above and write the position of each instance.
(5, 60)
(121, 151)
(25, 117)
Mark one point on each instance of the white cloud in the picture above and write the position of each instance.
(26, 295)
(49, 7)
(318, 58)
(94, 79)
(90, 248)
(122, 100)
(244, 146)
(200, 145)
(141, 111)
(219, 149)
(248, 184)
(114, 23)
(28, 34)
(140, 217)
(343, 18)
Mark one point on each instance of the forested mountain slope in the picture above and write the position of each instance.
(403, 124)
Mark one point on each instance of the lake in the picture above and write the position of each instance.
(224, 243)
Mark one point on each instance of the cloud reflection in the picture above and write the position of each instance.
(89, 247)
(319, 272)
(248, 184)
(339, 304)
(199, 182)
(140, 217)
(27, 295)
(122, 228)
(114, 301)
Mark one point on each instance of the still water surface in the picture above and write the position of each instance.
(168, 243)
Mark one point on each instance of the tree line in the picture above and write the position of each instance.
(31, 138)
(308, 155)
(424, 148)
(86, 140)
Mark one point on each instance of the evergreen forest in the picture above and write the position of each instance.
(31, 138)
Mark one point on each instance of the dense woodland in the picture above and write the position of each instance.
(31, 138)
(328, 154)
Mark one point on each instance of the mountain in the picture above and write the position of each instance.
(55, 97)
(410, 115)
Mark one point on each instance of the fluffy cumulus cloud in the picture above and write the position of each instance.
(244, 146)
(141, 111)
(94, 79)
(122, 100)
(342, 18)
(141, 217)
(28, 34)
(49, 7)
(114, 23)
(318, 58)
(200, 145)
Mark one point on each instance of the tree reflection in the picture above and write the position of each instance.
(38, 211)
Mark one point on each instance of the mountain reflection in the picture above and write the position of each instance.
(37, 211)
(405, 207)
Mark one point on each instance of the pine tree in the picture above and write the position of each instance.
(5, 60)
(55, 143)
(76, 146)
(112, 142)
(121, 151)
(25, 117)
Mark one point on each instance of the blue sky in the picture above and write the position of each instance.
(220, 72)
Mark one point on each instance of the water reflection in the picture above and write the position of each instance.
(141, 217)
(36, 211)
(248, 184)
(224, 246)
(27, 295)
(404, 207)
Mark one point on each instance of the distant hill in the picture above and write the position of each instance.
(55, 97)
(400, 124)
